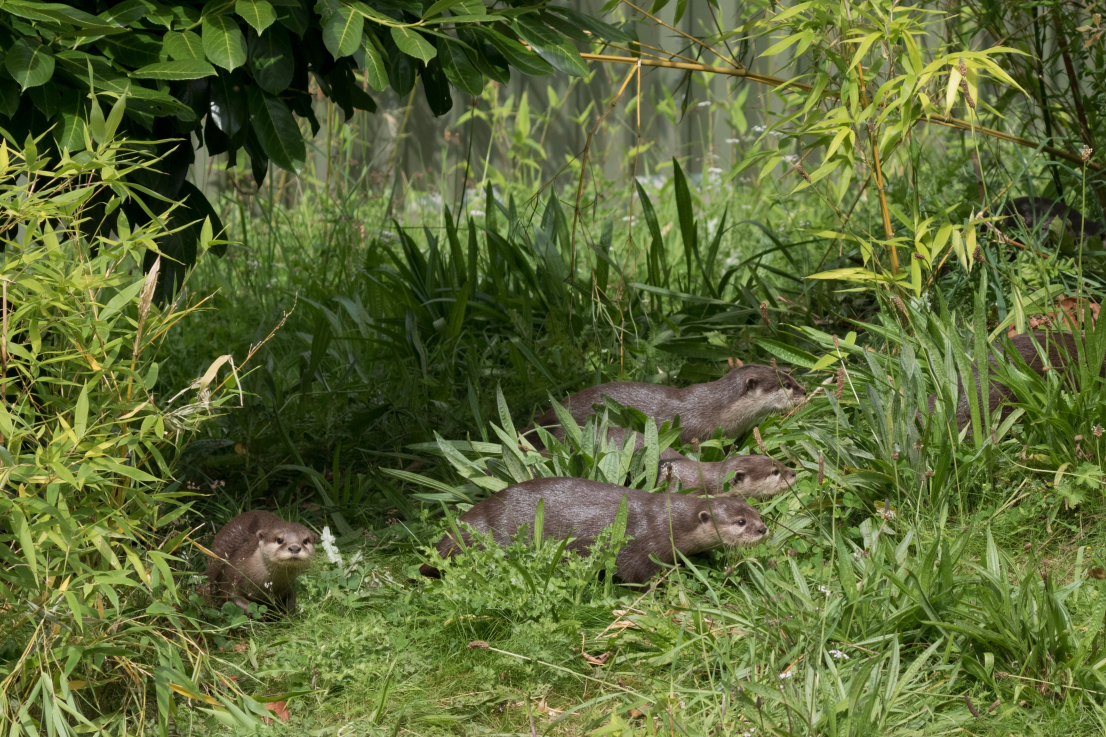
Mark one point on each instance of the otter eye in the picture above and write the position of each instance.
(741, 522)
(739, 477)
(280, 541)
(776, 472)
(787, 385)
(307, 541)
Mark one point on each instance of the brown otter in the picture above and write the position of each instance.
(736, 402)
(1062, 350)
(259, 557)
(1039, 212)
(754, 476)
(657, 523)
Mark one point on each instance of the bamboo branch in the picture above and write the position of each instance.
(779, 82)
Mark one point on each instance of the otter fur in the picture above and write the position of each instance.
(1062, 350)
(1039, 212)
(753, 476)
(736, 402)
(259, 557)
(581, 509)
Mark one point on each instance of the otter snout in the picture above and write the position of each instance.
(294, 549)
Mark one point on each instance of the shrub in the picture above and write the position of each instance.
(91, 529)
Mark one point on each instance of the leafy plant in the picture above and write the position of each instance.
(93, 531)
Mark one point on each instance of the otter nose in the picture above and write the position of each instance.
(293, 549)
(763, 530)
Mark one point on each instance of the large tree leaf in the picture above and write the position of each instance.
(277, 131)
(223, 42)
(374, 64)
(517, 55)
(228, 102)
(9, 97)
(435, 85)
(29, 62)
(458, 69)
(134, 50)
(557, 50)
(175, 70)
(258, 13)
(85, 23)
(185, 46)
(125, 13)
(605, 31)
(342, 31)
(413, 44)
(271, 60)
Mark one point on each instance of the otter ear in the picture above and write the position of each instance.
(261, 536)
(738, 477)
(750, 384)
(704, 516)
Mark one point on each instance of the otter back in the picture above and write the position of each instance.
(736, 402)
(580, 508)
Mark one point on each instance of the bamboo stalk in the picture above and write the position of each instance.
(778, 82)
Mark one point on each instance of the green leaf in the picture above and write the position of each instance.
(558, 51)
(258, 13)
(788, 353)
(342, 32)
(223, 42)
(80, 413)
(175, 70)
(517, 55)
(458, 69)
(277, 131)
(605, 31)
(374, 67)
(271, 60)
(29, 62)
(413, 44)
(185, 46)
(438, 8)
(70, 132)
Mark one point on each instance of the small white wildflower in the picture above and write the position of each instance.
(785, 674)
(714, 170)
(824, 590)
(704, 104)
(733, 140)
(330, 548)
(838, 655)
(476, 213)
(791, 158)
(759, 128)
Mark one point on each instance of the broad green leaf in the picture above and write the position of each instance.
(413, 44)
(342, 32)
(80, 413)
(518, 55)
(440, 7)
(29, 62)
(458, 69)
(271, 60)
(276, 130)
(175, 70)
(788, 353)
(374, 67)
(258, 13)
(185, 46)
(224, 44)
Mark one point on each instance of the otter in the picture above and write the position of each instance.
(1062, 350)
(736, 402)
(580, 508)
(1039, 212)
(754, 476)
(259, 557)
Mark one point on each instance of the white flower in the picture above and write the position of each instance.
(785, 674)
(703, 104)
(714, 170)
(824, 590)
(330, 548)
(733, 140)
(759, 128)
(838, 655)
(791, 158)
(476, 213)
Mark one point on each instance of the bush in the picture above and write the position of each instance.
(92, 532)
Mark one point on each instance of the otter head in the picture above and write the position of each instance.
(757, 477)
(726, 521)
(287, 546)
(756, 391)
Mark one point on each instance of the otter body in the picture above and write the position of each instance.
(581, 508)
(754, 476)
(1062, 350)
(259, 557)
(736, 402)
(1039, 212)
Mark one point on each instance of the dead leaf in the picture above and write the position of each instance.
(280, 709)
(1097, 573)
(240, 448)
(596, 661)
(479, 645)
